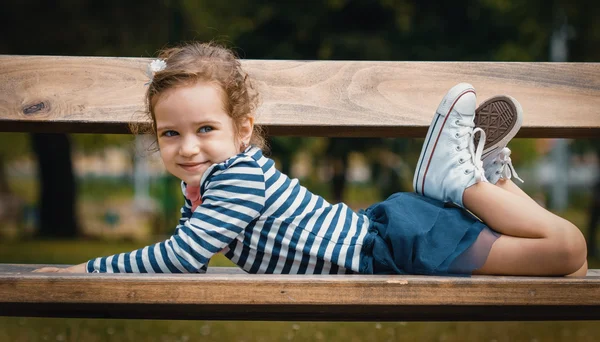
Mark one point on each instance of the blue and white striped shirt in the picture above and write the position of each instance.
(260, 219)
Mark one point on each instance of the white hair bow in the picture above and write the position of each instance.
(154, 67)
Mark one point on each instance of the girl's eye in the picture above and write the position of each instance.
(169, 133)
(205, 129)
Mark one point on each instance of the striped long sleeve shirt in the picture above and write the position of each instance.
(260, 219)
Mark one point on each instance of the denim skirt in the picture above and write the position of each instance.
(413, 234)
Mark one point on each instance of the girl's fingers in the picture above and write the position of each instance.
(47, 270)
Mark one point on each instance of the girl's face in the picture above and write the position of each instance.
(194, 131)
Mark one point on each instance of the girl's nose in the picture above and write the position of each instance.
(189, 147)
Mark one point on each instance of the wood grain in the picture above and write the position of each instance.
(231, 294)
(318, 98)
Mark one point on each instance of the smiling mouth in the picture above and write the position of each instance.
(191, 167)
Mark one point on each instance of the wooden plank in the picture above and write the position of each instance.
(318, 98)
(231, 294)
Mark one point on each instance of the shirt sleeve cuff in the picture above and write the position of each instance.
(90, 267)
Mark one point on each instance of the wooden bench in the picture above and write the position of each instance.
(319, 98)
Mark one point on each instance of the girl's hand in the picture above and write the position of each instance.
(73, 269)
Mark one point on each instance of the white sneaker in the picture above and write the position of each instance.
(449, 161)
(500, 167)
(500, 117)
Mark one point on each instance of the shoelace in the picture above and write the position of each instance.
(507, 170)
(467, 130)
(474, 153)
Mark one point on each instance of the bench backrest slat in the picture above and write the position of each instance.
(308, 98)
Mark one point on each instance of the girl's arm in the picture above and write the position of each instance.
(73, 269)
(186, 213)
(232, 199)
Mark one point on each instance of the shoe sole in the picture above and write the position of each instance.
(433, 135)
(500, 117)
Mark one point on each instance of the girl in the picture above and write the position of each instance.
(201, 105)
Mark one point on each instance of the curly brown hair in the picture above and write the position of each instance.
(196, 62)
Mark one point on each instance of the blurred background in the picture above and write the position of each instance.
(68, 198)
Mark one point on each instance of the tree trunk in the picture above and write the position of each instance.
(4, 188)
(57, 186)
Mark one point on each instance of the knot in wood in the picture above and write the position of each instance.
(36, 108)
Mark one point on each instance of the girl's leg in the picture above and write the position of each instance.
(534, 241)
(510, 186)
(581, 272)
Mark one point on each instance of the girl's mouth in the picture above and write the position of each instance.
(192, 167)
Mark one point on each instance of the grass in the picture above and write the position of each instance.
(28, 329)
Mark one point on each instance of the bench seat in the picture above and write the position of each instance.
(226, 293)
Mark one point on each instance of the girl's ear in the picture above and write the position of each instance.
(246, 129)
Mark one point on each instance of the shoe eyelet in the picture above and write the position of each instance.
(497, 172)
(457, 148)
(456, 122)
(466, 171)
(461, 161)
(456, 136)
